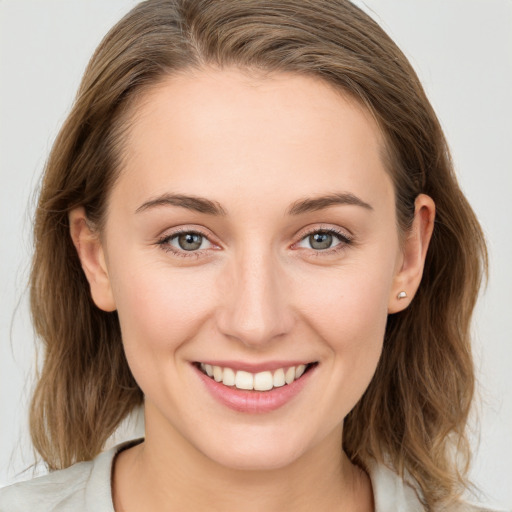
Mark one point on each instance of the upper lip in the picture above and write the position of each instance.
(253, 367)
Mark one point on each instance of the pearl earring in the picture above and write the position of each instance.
(401, 295)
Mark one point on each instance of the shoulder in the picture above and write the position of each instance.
(468, 507)
(83, 487)
(392, 494)
(59, 490)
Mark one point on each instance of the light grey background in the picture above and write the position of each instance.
(462, 50)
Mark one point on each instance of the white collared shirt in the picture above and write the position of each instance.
(86, 487)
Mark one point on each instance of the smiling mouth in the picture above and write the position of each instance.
(261, 381)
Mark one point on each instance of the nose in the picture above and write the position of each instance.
(254, 305)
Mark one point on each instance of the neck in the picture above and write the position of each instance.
(164, 473)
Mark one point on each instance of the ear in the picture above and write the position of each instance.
(90, 252)
(414, 250)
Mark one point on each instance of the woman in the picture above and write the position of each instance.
(236, 226)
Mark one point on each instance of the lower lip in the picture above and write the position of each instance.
(254, 402)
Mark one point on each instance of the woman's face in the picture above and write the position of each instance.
(252, 228)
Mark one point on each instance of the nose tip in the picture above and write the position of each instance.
(254, 307)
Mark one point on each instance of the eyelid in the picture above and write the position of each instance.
(344, 236)
(164, 239)
(341, 232)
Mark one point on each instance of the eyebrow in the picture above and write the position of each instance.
(203, 205)
(198, 204)
(319, 203)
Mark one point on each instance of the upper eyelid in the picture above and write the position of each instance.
(166, 234)
(344, 236)
(164, 242)
(325, 228)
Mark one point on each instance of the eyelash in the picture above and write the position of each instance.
(165, 245)
(344, 239)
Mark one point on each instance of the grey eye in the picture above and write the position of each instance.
(320, 240)
(190, 241)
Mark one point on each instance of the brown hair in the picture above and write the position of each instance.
(416, 407)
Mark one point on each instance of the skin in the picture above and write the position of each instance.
(256, 291)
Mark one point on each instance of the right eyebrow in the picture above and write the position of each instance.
(198, 204)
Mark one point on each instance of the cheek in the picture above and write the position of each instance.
(159, 309)
(347, 309)
(348, 304)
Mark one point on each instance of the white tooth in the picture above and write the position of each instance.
(263, 381)
(279, 378)
(290, 375)
(208, 369)
(244, 380)
(300, 370)
(229, 377)
(217, 373)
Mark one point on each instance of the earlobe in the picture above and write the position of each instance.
(90, 252)
(414, 252)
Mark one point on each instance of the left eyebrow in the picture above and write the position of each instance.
(319, 203)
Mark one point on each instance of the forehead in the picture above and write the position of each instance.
(227, 133)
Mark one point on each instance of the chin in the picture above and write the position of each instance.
(256, 453)
(259, 461)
